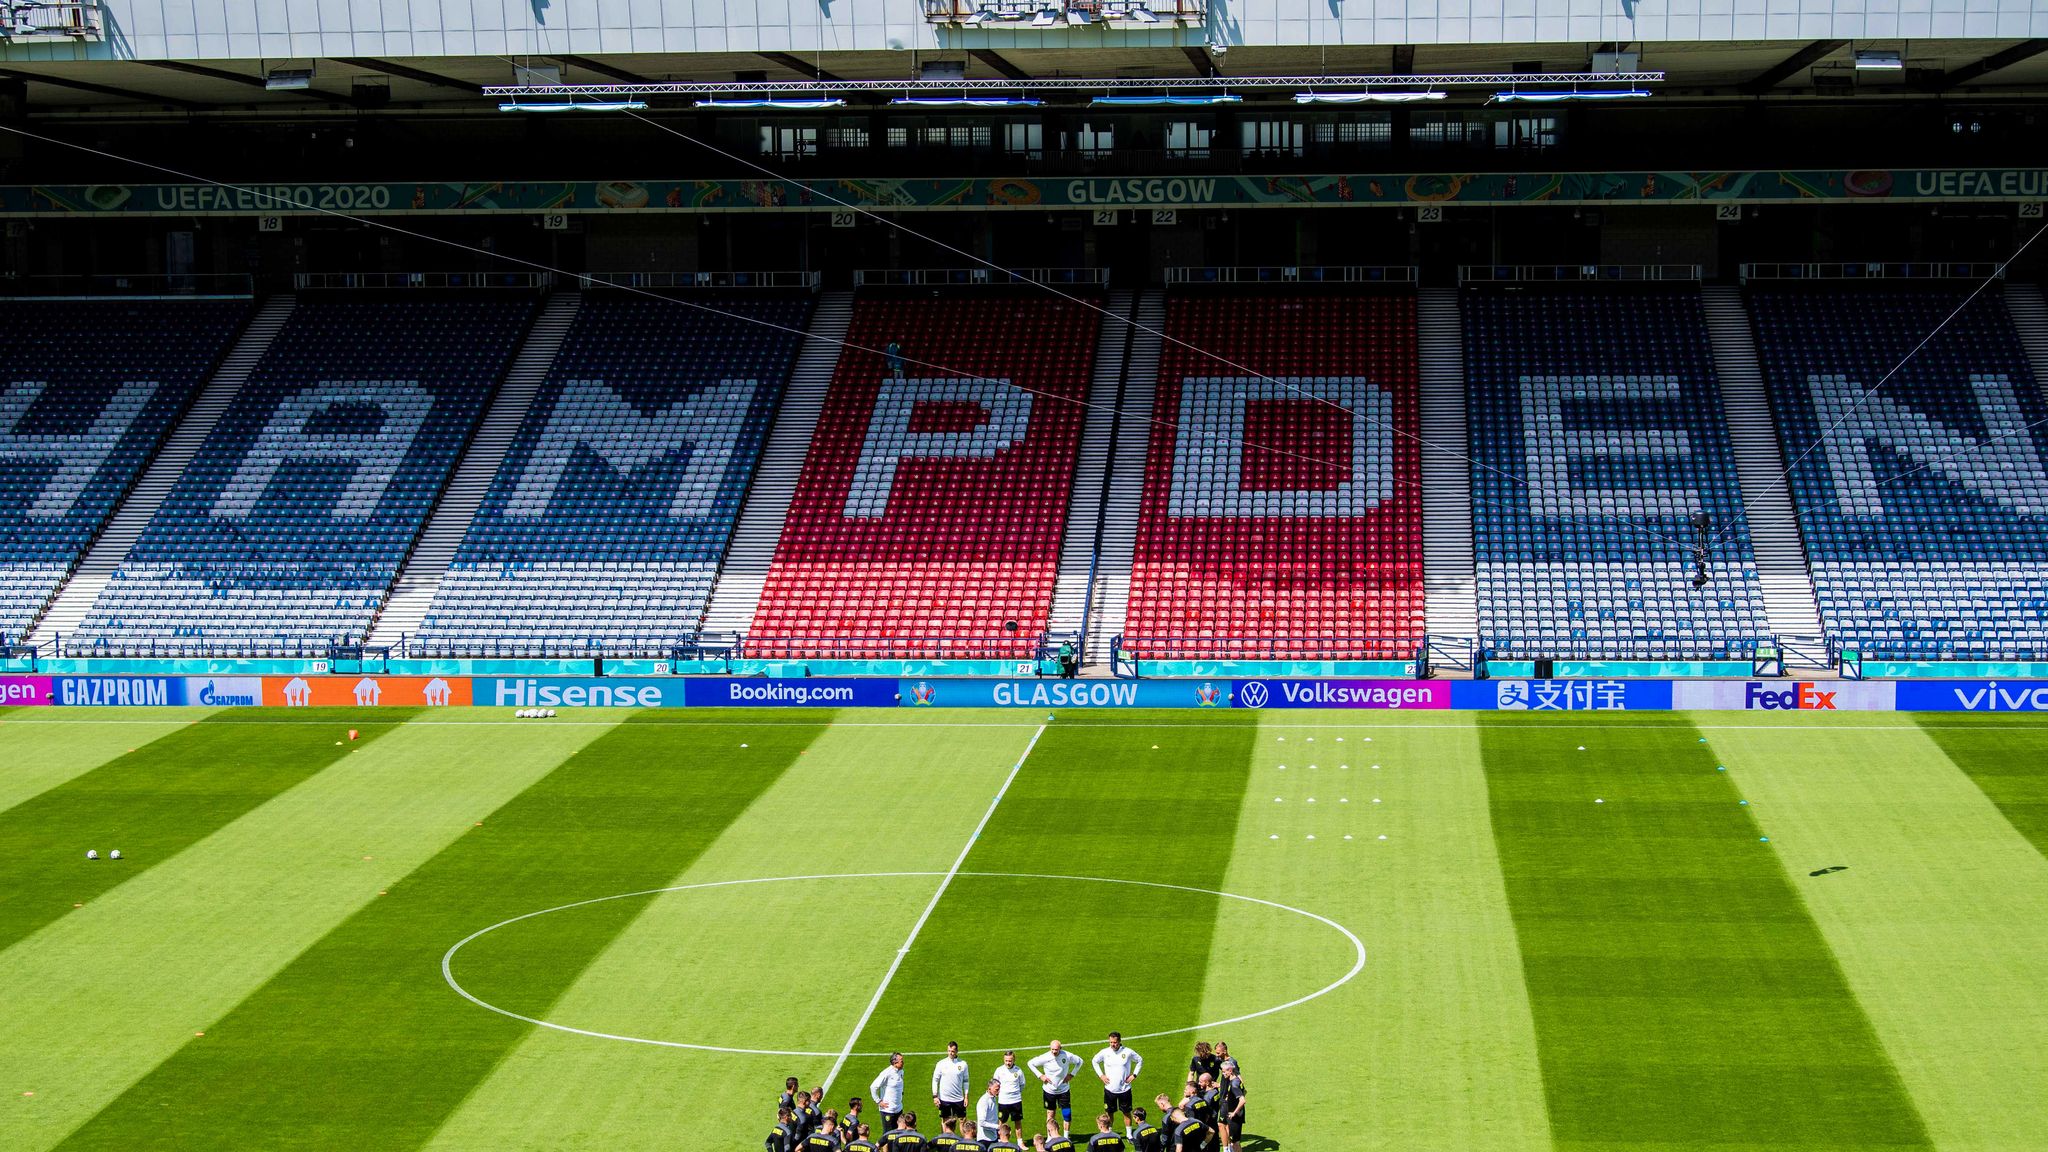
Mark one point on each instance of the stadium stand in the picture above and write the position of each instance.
(87, 390)
(1282, 516)
(1597, 434)
(1923, 502)
(603, 530)
(927, 517)
(283, 535)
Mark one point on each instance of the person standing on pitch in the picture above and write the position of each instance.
(887, 1093)
(1055, 1070)
(949, 1084)
(862, 1142)
(851, 1120)
(825, 1139)
(988, 1114)
(1147, 1137)
(1006, 1140)
(1118, 1066)
(1106, 1140)
(906, 1137)
(1230, 1109)
(1010, 1094)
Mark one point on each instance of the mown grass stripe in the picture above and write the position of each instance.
(1093, 800)
(382, 1064)
(1943, 963)
(113, 989)
(1433, 1038)
(152, 804)
(859, 800)
(33, 759)
(1682, 995)
(2002, 754)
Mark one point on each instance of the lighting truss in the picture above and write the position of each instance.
(955, 85)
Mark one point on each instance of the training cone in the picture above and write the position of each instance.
(351, 733)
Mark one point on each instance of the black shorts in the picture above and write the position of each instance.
(952, 1110)
(1014, 1113)
(1058, 1102)
(888, 1122)
(1116, 1101)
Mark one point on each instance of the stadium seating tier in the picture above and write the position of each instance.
(926, 521)
(1282, 515)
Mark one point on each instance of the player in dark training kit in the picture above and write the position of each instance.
(906, 1137)
(1146, 1136)
(1188, 1134)
(782, 1137)
(863, 1143)
(825, 1139)
(1104, 1139)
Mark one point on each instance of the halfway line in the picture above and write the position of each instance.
(876, 1000)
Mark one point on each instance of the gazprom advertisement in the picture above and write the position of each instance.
(936, 693)
(154, 690)
(1562, 695)
(1341, 694)
(576, 692)
(1972, 696)
(821, 692)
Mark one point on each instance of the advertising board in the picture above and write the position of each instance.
(1050, 693)
(118, 690)
(365, 691)
(224, 691)
(576, 692)
(1972, 695)
(1340, 694)
(1562, 695)
(1783, 695)
(818, 692)
(22, 690)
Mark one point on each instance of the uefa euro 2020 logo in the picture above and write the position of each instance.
(1208, 696)
(922, 695)
(1253, 694)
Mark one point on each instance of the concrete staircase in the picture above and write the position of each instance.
(1781, 567)
(1447, 567)
(738, 589)
(406, 605)
(2030, 316)
(69, 606)
(1081, 537)
(1130, 442)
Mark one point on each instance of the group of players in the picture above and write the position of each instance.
(1209, 1117)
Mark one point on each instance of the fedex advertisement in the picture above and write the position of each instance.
(19, 690)
(1972, 696)
(1340, 694)
(1784, 695)
(819, 692)
(1035, 693)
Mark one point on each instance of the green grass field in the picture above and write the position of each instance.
(1452, 931)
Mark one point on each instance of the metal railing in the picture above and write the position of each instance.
(1574, 273)
(542, 647)
(51, 20)
(1292, 274)
(196, 647)
(946, 277)
(311, 281)
(1019, 646)
(1522, 648)
(1872, 270)
(1269, 648)
(698, 280)
(130, 286)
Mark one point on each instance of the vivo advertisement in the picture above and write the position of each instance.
(1972, 695)
(18, 690)
(821, 692)
(935, 693)
(1562, 695)
(1341, 694)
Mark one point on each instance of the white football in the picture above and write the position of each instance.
(551, 712)
(114, 855)
(92, 853)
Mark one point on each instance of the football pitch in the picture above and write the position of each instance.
(621, 930)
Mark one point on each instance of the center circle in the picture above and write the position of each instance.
(448, 958)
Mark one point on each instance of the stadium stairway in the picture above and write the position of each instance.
(458, 502)
(1447, 572)
(2030, 316)
(1081, 540)
(1781, 568)
(1124, 480)
(68, 608)
(738, 590)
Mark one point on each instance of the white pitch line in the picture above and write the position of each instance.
(875, 1001)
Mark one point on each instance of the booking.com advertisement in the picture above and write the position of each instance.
(819, 692)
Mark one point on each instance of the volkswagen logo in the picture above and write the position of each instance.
(1253, 694)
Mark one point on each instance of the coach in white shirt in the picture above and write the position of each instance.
(887, 1092)
(1055, 1071)
(988, 1118)
(1118, 1066)
(949, 1084)
(1010, 1095)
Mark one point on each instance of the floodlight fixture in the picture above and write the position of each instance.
(1512, 97)
(774, 104)
(1165, 101)
(288, 79)
(573, 106)
(1879, 60)
(966, 102)
(1365, 97)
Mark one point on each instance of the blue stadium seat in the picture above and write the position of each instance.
(603, 529)
(1924, 507)
(88, 388)
(288, 527)
(1596, 433)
